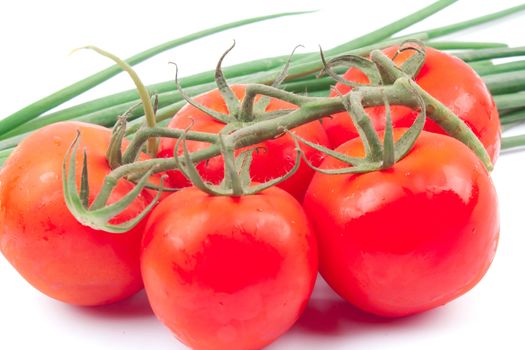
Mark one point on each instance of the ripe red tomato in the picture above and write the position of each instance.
(44, 242)
(228, 273)
(410, 238)
(450, 80)
(273, 159)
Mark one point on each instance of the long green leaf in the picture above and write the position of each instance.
(45, 104)
(392, 28)
(456, 27)
(478, 55)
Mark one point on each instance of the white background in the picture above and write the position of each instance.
(35, 40)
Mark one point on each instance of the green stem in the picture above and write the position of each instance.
(392, 28)
(316, 108)
(208, 76)
(484, 54)
(485, 64)
(456, 27)
(144, 134)
(259, 65)
(454, 126)
(41, 106)
(145, 97)
(239, 70)
(126, 96)
(509, 101)
(463, 45)
(513, 117)
(170, 103)
(5, 153)
(512, 142)
(12, 142)
(164, 115)
(498, 68)
(107, 116)
(504, 83)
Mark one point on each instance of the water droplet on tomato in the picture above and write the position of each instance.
(48, 176)
(57, 141)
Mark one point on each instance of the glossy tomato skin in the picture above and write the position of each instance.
(273, 158)
(450, 80)
(410, 238)
(228, 273)
(44, 242)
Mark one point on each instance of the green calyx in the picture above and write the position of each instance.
(378, 155)
(239, 112)
(99, 214)
(237, 180)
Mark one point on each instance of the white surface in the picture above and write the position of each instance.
(36, 38)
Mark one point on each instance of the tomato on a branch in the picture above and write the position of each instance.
(220, 110)
(448, 79)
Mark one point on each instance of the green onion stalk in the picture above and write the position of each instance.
(301, 78)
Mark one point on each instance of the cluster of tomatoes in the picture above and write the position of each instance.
(226, 272)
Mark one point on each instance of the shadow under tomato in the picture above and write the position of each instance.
(328, 315)
(135, 306)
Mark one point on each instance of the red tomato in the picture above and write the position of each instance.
(44, 242)
(448, 79)
(273, 159)
(410, 238)
(228, 273)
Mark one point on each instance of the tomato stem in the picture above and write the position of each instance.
(114, 152)
(313, 108)
(232, 102)
(373, 148)
(401, 92)
(144, 134)
(141, 90)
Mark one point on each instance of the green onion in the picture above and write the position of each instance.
(250, 67)
(509, 101)
(41, 106)
(513, 117)
(504, 83)
(477, 55)
(32, 111)
(456, 27)
(485, 69)
(461, 45)
(105, 110)
(392, 28)
(512, 142)
(121, 98)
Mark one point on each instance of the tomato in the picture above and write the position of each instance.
(44, 242)
(273, 158)
(450, 80)
(225, 272)
(410, 238)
